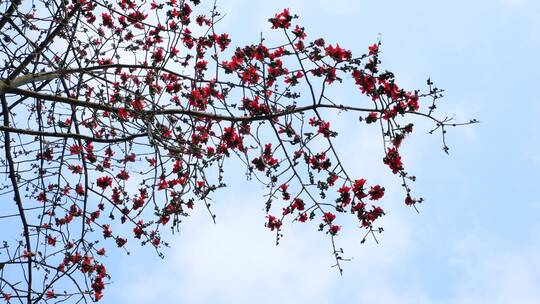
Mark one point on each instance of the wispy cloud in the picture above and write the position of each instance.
(236, 261)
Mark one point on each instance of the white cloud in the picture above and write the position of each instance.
(495, 272)
(236, 261)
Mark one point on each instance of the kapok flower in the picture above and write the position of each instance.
(281, 20)
(328, 217)
(104, 182)
(376, 192)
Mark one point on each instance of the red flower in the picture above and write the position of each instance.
(27, 254)
(344, 196)
(299, 32)
(158, 55)
(201, 66)
(359, 185)
(162, 185)
(376, 192)
(328, 217)
(393, 160)
(250, 75)
(298, 204)
(137, 104)
(372, 117)
(42, 197)
(374, 49)
(389, 114)
(138, 231)
(358, 207)
(358, 188)
(331, 180)
(409, 200)
(47, 154)
(375, 213)
(324, 129)
(79, 189)
(7, 296)
(120, 242)
(51, 240)
(66, 190)
(136, 17)
(50, 294)
(164, 219)
(273, 222)
(233, 65)
(105, 61)
(123, 175)
(75, 169)
(75, 149)
(129, 158)
(98, 296)
(104, 182)
(334, 229)
(396, 141)
(109, 152)
(223, 41)
(337, 53)
(123, 114)
(202, 20)
(281, 20)
(413, 102)
(107, 20)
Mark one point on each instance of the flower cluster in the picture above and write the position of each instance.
(116, 148)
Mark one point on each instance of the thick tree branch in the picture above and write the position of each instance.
(9, 12)
(72, 135)
(17, 195)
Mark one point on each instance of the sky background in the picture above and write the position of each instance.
(477, 237)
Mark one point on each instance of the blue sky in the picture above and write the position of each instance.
(477, 238)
